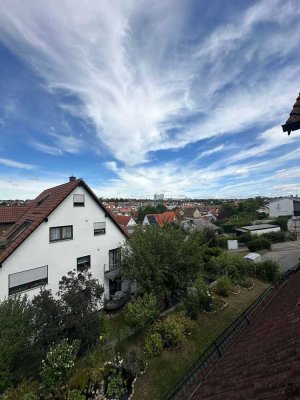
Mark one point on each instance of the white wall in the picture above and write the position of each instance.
(281, 207)
(61, 257)
(262, 231)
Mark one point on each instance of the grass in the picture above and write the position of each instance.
(167, 369)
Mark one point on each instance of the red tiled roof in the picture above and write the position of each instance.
(10, 214)
(163, 218)
(293, 122)
(264, 361)
(41, 207)
(122, 219)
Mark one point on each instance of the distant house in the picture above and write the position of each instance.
(191, 213)
(9, 216)
(200, 224)
(286, 206)
(125, 220)
(258, 229)
(160, 219)
(263, 209)
(65, 228)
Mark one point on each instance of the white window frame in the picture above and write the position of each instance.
(78, 200)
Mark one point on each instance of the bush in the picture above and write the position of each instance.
(27, 390)
(16, 332)
(142, 311)
(282, 222)
(223, 286)
(191, 305)
(116, 385)
(133, 361)
(204, 297)
(75, 395)
(153, 344)
(58, 364)
(259, 244)
(275, 237)
(267, 270)
(173, 329)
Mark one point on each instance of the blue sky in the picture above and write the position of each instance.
(139, 97)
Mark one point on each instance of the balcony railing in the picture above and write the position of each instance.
(117, 300)
(111, 270)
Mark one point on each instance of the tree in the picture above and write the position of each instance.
(81, 300)
(16, 331)
(160, 261)
(47, 319)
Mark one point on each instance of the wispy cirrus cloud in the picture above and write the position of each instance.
(16, 164)
(145, 96)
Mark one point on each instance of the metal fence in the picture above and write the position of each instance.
(186, 386)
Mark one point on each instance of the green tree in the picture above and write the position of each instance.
(160, 261)
(16, 332)
(81, 300)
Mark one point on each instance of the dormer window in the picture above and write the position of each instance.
(78, 200)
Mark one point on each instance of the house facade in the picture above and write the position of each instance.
(65, 228)
(287, 206)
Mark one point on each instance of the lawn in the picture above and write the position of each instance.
(167, 369)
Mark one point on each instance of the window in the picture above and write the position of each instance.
(99, 228)
(28, 279)
(83, 263)
(18, 230)
(61, 233)
(78, 200)
(114, 258)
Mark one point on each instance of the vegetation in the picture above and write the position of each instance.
(259, 243)
(142, 311)
(161, 262)
(143, 211)
(223, 286)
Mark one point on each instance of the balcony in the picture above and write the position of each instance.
(117, 300)
(112, 270)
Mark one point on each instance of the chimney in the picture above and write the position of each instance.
(72, 178)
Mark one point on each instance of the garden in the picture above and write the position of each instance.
(67, 347)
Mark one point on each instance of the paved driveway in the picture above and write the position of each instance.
(287, 254)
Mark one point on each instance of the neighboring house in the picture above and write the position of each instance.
(191, 213)
(263, 209)
(9, 215)
(64, 228)
(160, 219)
(125, 220)
(200, 224)
(286, 206)
(258, 229)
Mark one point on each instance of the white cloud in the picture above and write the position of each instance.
(16, 164)
(133, 83)
(207, 153)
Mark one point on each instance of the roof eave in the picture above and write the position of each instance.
(291, 126)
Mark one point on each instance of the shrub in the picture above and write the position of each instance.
(133, 361)
(59, 363)
(282, 222)
(15, 338)
(259, 244)
(142, 311)
(153, 344)
(116, 385)
(26, 390)
(173, 329)
(75, 395)
(191, 305)
(223, 286)
(275, 237)
(267, 270)
(204, 297)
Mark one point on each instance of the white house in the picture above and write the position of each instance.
(286, 206)
(65, 228)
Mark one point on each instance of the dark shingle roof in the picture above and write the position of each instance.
(264, 362)
(293, 122)
(39, 209)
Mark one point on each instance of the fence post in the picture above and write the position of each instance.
(218, 350)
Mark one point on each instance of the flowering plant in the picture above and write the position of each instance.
(59, 363)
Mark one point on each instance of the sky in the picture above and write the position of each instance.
(137, 97)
